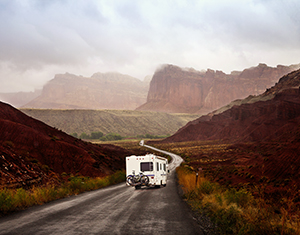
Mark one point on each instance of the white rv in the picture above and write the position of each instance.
(148, 170)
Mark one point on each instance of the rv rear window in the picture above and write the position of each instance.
(146, 166)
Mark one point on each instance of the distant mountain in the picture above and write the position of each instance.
(101, 91)
(276, 118)
(32, 152)
(18, 99)
(177, 90)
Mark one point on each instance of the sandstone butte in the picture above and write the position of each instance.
(177, 90)
(100, 91)
(258, 121)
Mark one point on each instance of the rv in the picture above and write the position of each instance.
(148, 170)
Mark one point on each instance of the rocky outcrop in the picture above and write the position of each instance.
(276, 118)
(178, 90)
(101, 91)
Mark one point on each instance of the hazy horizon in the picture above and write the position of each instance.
(44, 38)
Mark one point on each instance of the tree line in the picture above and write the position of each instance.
(98, 136)
(113, 136)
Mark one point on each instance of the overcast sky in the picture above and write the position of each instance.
(41, 38)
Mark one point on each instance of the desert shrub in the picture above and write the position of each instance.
(228, 220)
(96, 135)
(6, 201)
(84, 136)
(44, 194)
(207, 187)
(76, 184)
(149, 136)
(111, 136)
(118, 177)
(22, 198)
(241, 197)
(74, 135)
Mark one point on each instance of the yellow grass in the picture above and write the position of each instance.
(18, 199)
(235, 211)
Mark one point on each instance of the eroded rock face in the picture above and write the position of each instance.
(276, 118)
(101, 91)
(174, 89)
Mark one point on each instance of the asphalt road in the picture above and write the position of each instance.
(113, 210)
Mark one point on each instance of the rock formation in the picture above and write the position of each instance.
(260, 141)
(101, 91)
(178, 90)
(275, 118)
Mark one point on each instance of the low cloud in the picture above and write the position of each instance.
(43, 38)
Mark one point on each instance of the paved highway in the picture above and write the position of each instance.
(116, 209)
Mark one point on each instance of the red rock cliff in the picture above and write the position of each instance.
(173, 89)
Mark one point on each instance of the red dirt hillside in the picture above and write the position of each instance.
(31, 152)
(262, 141)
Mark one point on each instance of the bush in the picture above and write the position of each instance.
(76, 184)
(111, 136)
(84, 136)
(6, 201)
(208, 187)
(22, 198)
(96, 135)
(228, 220)
(74, 135)
(118, 177)
(149, 136)
(241, 197)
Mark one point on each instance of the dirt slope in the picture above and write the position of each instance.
(262, 139)
(32, 152)
(123, 122)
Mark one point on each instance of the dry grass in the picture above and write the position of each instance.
(19, 199)
(236, 211)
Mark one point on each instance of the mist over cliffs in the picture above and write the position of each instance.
(100, 91)
(177, 90)
(172, 90)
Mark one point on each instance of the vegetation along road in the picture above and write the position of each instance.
(113, 210)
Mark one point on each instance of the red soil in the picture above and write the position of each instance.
(32, 152)
(265, 139)
(260, 121)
